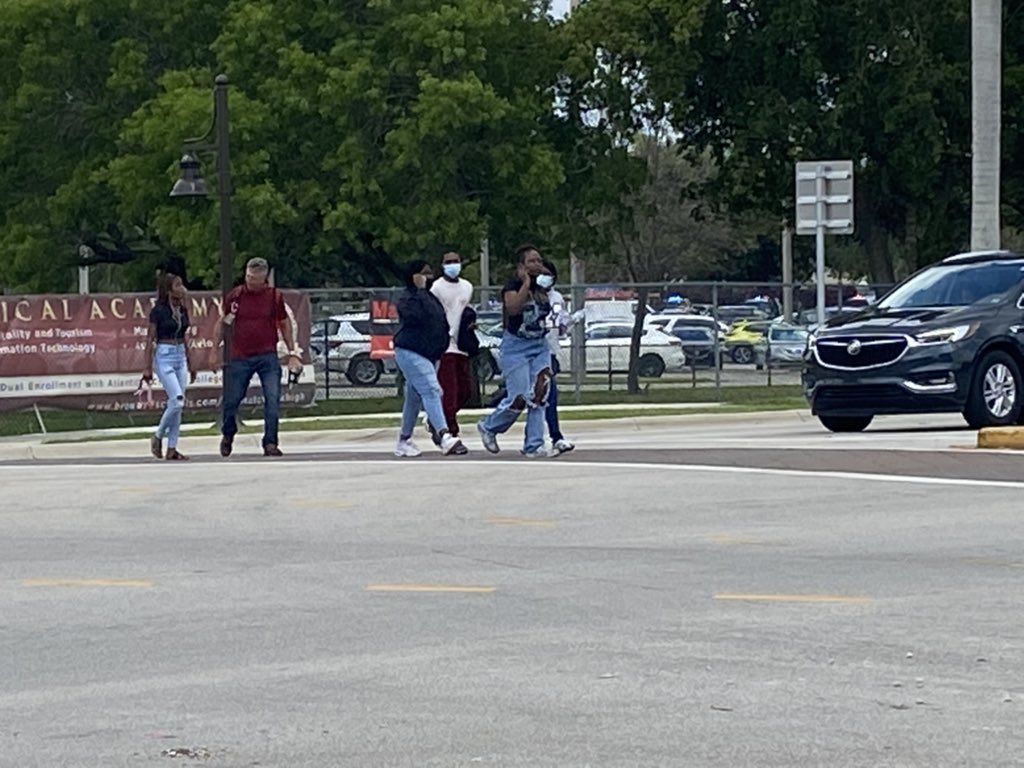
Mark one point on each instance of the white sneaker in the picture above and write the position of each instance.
(562, 446)
(406, 449)
(489, 439)
(452, 446)
(540, 453)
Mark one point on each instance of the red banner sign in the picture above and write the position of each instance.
(383, 325)
(89, 352)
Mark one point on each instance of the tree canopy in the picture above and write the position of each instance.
(366, 132)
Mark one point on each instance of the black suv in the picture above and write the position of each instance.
(948, 339)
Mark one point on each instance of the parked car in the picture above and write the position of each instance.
(669, 321)
(348, 349)
(950, 338)
(607, 346)
(782, 345)
(742, 338)
(731, 313)
(485, 364)
(700, 345)
(809, 317)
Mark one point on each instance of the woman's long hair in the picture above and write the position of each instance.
(164, 284)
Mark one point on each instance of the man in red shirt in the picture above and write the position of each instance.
(255, 314)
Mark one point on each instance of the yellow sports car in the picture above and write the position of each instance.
(742, 337)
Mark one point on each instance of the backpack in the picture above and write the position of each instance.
(467, 340)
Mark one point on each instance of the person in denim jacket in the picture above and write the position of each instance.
(525, 356)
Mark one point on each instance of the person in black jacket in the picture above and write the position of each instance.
(422, 338)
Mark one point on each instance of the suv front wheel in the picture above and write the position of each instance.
(845, 423)
(995, 396)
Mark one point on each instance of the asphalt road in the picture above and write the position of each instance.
(622, 606)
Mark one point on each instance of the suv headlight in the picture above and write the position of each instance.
(949, 335)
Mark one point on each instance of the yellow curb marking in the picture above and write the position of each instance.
(520, 521)
(796, 598)
(1001, 437)
(429, 588)
(139, 583)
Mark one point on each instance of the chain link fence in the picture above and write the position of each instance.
(695, 335)
(709, 334)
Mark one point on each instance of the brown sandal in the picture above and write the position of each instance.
(173, 455)
(156, 446)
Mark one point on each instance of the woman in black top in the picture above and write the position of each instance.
(168, 324)
(421, 339)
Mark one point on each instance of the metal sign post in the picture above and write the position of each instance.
(824, 205)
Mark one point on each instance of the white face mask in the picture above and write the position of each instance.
(545, 281)
(452, 270)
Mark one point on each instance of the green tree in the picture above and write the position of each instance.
(363, 133)
(885, 84)
(622, 55)
(368, 133)
(70, 73)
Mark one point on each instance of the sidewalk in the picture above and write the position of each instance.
(375, 439)
(92, 434)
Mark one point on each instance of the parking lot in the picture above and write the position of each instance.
(666, 596)
(730, 375)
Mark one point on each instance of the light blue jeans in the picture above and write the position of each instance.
(422, 391)
(522, 361)
(171, 367)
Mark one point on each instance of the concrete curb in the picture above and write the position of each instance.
(1001, 437)
(330, 439)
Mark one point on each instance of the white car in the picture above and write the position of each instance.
(669, 322)
(607, 346)
(783, 345)
(348, 348)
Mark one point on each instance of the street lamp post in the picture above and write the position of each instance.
(192, 184)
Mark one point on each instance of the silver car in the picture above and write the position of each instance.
(783, 345)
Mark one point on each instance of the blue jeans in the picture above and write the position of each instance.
(171, 367)
(422, 391)
(239, 373)
(522, 361)
(551, 412)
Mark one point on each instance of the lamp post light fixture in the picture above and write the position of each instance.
(192, 184)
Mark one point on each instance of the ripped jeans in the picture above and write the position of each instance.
(526, 368)
(171, 367)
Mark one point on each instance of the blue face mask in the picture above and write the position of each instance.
(545, 281)
(452, 270)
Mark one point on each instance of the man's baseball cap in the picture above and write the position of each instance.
(257, 264)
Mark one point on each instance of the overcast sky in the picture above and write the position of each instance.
(559, 7)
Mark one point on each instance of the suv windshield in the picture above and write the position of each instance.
(957, 285)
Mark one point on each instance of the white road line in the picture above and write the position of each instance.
(561, 465)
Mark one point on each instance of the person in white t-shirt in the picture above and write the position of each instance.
(454, 293)
(560, 324)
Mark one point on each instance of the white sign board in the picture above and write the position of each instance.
(824, 197)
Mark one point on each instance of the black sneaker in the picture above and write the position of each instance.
(226, 446)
